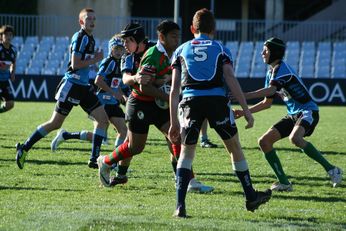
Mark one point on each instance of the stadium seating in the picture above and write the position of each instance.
(49, 55)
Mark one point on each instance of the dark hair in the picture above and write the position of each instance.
(203, 21)
(167, 26)
(276, 47)
(6, 28)
(134, 30)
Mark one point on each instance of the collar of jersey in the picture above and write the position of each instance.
(202, 36)
(161, 48)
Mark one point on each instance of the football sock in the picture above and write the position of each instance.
(98, 136)
(71, 135)
(183, 179)
(176, 150)
(204, 138)
(120, 153)
(243, 174)
(174, 166)
(122, 170)
(275, 163)
(314, 154)
(38, 134)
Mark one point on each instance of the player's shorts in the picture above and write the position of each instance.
(114, 110)
(141, 114)
(6, 91)
(307, 119)
(194, 110)
(69, 94)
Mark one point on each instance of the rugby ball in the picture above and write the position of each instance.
(162, 103)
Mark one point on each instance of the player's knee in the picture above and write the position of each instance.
(296, 140)
(136, 149)
(264, 143)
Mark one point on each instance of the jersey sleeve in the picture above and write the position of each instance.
(106, 67)
(79, 44)
(126, 63)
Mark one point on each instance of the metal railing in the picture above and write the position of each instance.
(227, 30)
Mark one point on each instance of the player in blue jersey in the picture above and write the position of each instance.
(8, 55)
(300, 121)
(109, 87)
(73, 90)
(202, 66)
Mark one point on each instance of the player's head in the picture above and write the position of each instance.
(276, 49)
(116, 47)
(168, 34)
(203, 22)
(133, 34)
(6, 33)
(87, 19)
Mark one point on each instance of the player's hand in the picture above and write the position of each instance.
(237, 113)
(174, 133)
(142, 78)
(249, 118)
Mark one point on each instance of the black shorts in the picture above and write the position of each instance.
(69, 94)
(194, 110)
(307, 119)
(6, 91)
(141, 114)
(114, 110)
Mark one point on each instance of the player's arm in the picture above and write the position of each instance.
(78, 63)
(174, 130)
(260, 93)
(151, 90)
(99, 81)
(131, 80)
(235, 88)
(263, 105)
(13, 71)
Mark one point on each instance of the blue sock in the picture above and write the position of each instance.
(71, 135)
(98, 136)
(38, 134)
(183, 179)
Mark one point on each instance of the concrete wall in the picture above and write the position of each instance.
(67, 14)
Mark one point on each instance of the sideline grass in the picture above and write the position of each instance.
(59, 192)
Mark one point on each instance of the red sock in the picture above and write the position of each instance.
(120, 153)
(176, 150)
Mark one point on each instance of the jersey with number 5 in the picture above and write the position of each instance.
(200, 61)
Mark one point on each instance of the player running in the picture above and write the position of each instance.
(301, 120)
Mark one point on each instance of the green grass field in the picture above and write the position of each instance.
(57, 191)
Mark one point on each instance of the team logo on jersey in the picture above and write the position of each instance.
(140, 115)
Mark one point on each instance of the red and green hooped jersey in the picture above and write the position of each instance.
(156, 63)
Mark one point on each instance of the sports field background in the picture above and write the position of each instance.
(57, 191)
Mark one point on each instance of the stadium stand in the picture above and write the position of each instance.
(48, 55)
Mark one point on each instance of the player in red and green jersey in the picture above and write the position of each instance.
(142, 109)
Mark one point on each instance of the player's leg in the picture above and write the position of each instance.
(99, 133)
(239, 165)
(6, 106)
(279, 131)
(63, 135)
(6, 97)
(305, 127)
(41, 131)
(118, 122)
(204, 139)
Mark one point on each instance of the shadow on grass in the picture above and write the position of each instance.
(290, 196)
(50, 162)
(38, 189)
